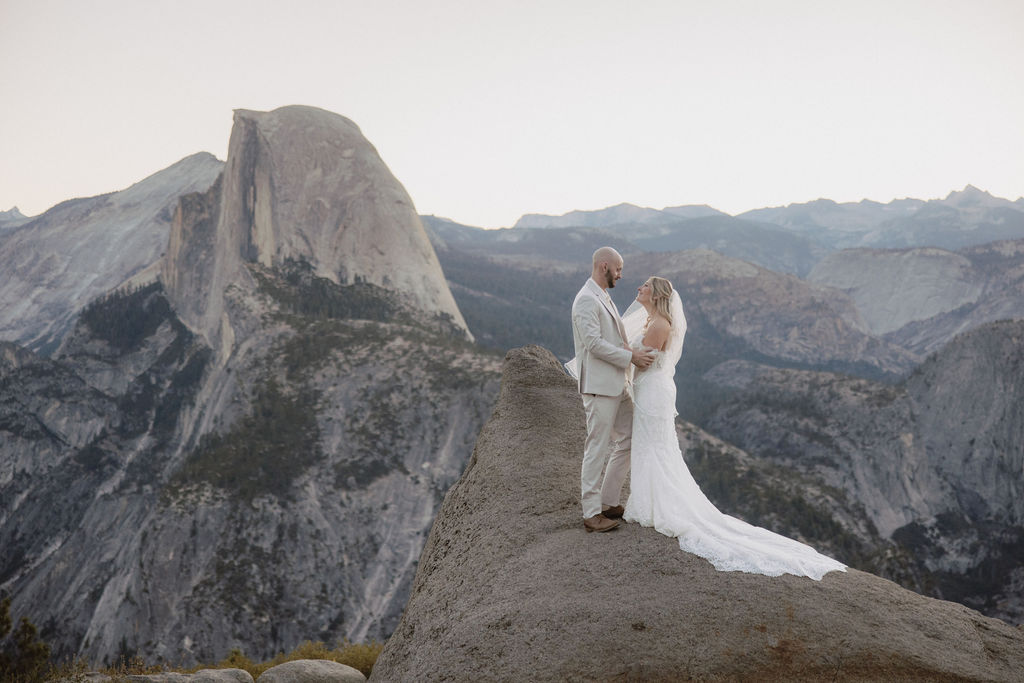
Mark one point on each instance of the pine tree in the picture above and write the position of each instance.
(31, 655)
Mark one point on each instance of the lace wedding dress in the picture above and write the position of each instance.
(664, 495)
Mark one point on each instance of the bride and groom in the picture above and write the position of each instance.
(625, 369)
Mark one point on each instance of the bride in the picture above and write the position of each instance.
(663, 494)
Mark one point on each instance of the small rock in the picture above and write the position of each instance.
(312, 671)
(221, 676)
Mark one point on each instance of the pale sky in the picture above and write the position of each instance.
(486, 110)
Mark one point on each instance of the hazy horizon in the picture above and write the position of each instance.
(488, 111)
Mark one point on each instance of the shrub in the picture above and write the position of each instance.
(263, 452)
(124, 319)
(27, 658)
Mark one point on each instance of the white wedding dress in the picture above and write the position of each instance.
(664, 495)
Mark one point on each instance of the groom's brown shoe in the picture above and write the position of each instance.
(614, 512)
(599, 523)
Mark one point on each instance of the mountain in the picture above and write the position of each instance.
(602, 218)
(922, 298)
(895, 287)
(966, 218)
(248, 450)
(555, 249)
(768, 314)
(734, 310)
(933, 461)
(540, 600)
(758, 243)
(693, 211)
(683, 227)
(12, 218)
(56, 263)
(312, 212)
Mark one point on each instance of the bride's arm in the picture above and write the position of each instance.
(657, 334)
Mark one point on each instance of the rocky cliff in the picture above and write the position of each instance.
(247, 452)
(509, 587)
(55, 263)
(893, 288)
(934, 462)
(300, 184)
(922, 298)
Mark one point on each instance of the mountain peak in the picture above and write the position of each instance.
(971, 196)
(693, 211)
(302, 184)
(610, 215)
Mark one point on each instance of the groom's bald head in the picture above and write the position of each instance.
(607, 267)
(606, 255)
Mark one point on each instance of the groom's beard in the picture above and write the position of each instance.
(610, 279)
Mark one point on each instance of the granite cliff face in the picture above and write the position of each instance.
(893, 288)
(922, 298)
(56, 263)
(542, 600)
(247, 452)
(934, 462)
(300, 184)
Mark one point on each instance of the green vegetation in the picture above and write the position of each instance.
(506, 307)
(263, 452)
(23, 657)
(124, 318)
(304, 296)
(154, 400)
(295, 286)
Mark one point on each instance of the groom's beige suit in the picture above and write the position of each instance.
(604, 369)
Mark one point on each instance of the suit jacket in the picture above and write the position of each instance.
(603, 365)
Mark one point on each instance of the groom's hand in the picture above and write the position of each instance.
(642, 358)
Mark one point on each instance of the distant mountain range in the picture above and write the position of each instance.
(966, 217)
(790, 239)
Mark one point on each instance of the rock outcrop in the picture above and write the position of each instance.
(300, 184)
(56, 263)
(311, 671)
(509, 587)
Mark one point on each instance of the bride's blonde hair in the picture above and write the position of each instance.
(661, 296)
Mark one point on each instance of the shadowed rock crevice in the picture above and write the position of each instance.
(510, 587)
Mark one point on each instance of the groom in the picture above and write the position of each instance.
(604, 360)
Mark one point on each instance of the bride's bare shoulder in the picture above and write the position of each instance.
(657, 332)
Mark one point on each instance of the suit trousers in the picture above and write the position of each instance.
(609, 430)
